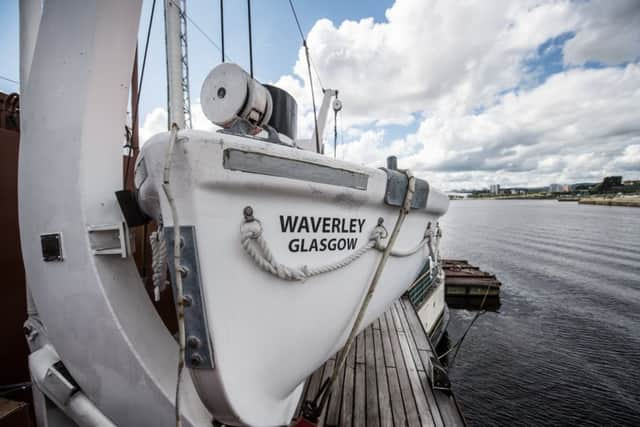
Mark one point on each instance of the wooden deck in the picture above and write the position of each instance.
(386, 380)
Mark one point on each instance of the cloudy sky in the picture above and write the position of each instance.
(466, 93)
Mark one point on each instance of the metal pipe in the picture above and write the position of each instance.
(175, 98)
(322, 115)
(77, 405)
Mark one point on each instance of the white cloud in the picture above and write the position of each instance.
(156, 122)
(454, 68)
(460, 77)
(610, 33)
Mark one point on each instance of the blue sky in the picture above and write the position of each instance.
(521, 93)
(275, 38)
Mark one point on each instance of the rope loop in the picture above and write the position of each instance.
(254, 244)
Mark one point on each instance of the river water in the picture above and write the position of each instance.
(564, 347)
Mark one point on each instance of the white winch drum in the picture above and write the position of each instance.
(228, 92)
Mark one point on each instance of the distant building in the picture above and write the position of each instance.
(566, 188)
(555, 188)
(610, 184)
(494, 189)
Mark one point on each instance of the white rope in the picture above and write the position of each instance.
(256, 246)
(177, 253)
(159, 261)
(426, 239)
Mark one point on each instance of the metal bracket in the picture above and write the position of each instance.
(198, 351)
(59, 383)
(397, 189)
(438, 375)
(109, 239)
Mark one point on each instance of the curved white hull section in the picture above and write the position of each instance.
(269, 334)
(433, 309)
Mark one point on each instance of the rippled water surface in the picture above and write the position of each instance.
(564, 348)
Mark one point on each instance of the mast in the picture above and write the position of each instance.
(178, 99)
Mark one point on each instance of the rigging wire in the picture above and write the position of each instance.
(250, 38)
(222, 28)
(458, 344)
(313, 96)
(304, 40)
(134, 119)
(201, 31)
(9, 80)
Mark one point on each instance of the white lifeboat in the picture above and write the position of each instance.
(280, 245)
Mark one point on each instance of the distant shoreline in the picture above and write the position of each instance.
(628, 201)
(632, 201)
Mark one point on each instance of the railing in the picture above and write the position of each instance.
(420, 291)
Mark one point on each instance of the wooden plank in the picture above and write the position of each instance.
(359, 396)
(403, 378)
(414, 380)
(328, 371)
(346, 411)
(444, 404)
(395, 398)
(389, 361)
(359, 344)
(396, 320)
(412, 372)
(303, 397)
(422, 390)
(415, 325)
(384, 403)
(448, 408)
(333, 408)
(314, 383)
(376, 324)
(372, 408)
(409, 335)
(438, 418)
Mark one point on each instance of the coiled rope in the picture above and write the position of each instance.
(159, 261)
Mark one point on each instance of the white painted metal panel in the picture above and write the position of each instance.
(96, 312)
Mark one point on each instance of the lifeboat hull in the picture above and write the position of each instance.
(266, 333)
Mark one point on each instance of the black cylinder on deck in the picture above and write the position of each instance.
(284, 118)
